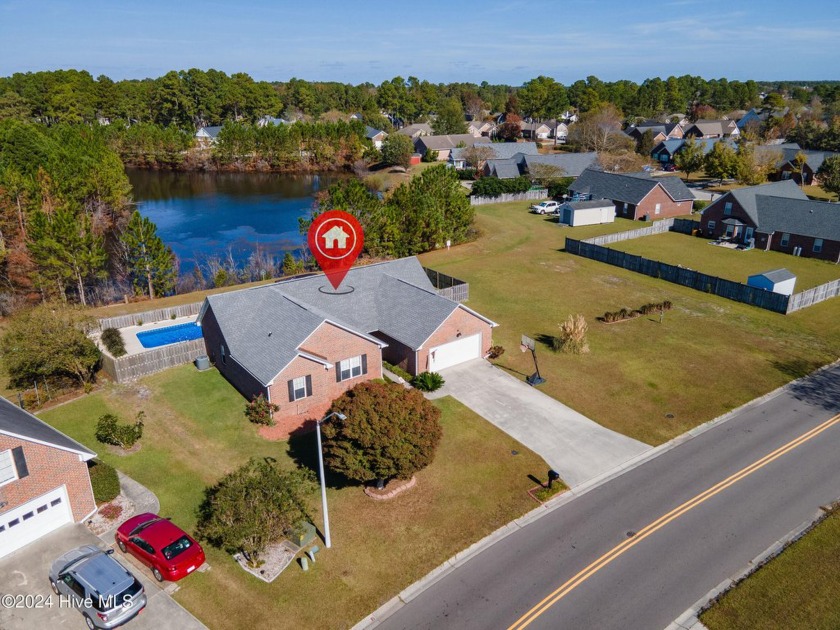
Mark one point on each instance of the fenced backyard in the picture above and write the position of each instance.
(594, 248)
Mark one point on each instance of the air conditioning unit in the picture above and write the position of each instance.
(797, 251)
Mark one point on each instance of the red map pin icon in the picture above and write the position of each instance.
(335, 239)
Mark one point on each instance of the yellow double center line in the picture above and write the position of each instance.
(662, 521)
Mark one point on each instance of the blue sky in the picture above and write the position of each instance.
(368, 40)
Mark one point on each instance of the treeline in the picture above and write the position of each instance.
(812, 135)
(419, 215)
(66, 227)
(325, 146)
(189, 99)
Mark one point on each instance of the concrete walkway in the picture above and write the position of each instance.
(572, 444)
(144, 500)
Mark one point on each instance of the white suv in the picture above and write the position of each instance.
(546, 207)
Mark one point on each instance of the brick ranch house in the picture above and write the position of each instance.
(301, 344)
(635, 195)
(44, 480)
(778, 217)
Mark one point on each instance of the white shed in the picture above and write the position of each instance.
(778, 281)
(575, 213)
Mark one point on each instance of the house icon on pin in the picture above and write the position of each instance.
(335, 237)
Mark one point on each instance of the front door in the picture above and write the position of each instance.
(748, 234)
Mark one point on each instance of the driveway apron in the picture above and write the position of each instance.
(572, 444)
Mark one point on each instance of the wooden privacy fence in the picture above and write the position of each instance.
(531, 195)
(134, 366)
(813, 296)
(679, 275)
(685, 226)
(158, 315)
(447, 286)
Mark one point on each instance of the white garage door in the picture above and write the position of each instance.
(455, 352)
(32, 520)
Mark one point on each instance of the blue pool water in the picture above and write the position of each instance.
(169, 334)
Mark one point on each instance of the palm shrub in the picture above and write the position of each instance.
(113, 341)
(572, 337)
(428, 381)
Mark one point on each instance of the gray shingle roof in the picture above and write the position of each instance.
(14, 421)
(395, 298)
(627, 187)
(776, 275)
(211, 131)
(592, 203)
(437, 143)
(746, 196)
(504, 169)
(817, 219)
(371, 133)
(573, 164)
(410, 130)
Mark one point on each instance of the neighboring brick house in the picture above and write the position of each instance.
(44, 481)
(786, 163)
(713, 129)
(302, 344)
(659, 131)
(778, 217)
(442, 145)
(635, 195)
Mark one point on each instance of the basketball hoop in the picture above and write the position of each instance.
(523, 347)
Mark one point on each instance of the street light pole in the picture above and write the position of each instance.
(340, 416)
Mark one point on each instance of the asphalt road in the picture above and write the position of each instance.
(648, 576)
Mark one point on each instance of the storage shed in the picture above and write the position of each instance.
(593, 212)
(778, 281)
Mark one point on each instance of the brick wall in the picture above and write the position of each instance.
(49, 468)
(459, 321)
(238, 376)
(333, 344)
(668, 207)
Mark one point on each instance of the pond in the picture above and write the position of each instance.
(204, 215)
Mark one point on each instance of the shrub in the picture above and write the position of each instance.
(493, 186)
(572, 338)
(253, 507)
(495, 352)
(428, 381)
(113, 341)
(111, 511)
(104, 481)
(466, 173)
(624, 313)
(388, 432)
(261, 411)
(396, 369)
(666, 305)
(109, 430)
(139, 322)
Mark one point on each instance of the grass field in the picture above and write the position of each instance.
(797, 590)
(648, 380)
(700, 255)
(195, 432)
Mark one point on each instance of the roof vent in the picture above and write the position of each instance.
(269, 333)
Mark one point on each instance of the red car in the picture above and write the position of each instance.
(168, 550)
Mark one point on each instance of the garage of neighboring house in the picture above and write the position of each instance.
(44, 479)
(455, 352)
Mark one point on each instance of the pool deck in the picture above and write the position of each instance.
(129, 334)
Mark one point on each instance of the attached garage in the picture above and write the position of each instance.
(24, 524)
(454, 352)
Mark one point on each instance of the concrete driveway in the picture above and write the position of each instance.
(25, 573)
(572, 444)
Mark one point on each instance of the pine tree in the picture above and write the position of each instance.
(149, 262)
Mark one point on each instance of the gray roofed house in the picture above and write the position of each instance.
(713, 129)
(208, 135)
(376, 136)
(572, 164)
(746, 196)
(416, 130)
(635, 195)
(816, 219)
(265, 339)
(444, 144)
(786, 167)
(16, 422)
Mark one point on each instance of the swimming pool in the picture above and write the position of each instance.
(169, 335)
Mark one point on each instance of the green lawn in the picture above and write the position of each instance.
(647, 380)
(798, 590)
(196, 431)
(700, 255)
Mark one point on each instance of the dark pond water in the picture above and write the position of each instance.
(201, 215)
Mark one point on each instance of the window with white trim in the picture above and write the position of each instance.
(711, 226)
(300, 387)
(8, 472)
(657, 209)
(351, 368)
(785, 239)
(818, 245)
(727, 208)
